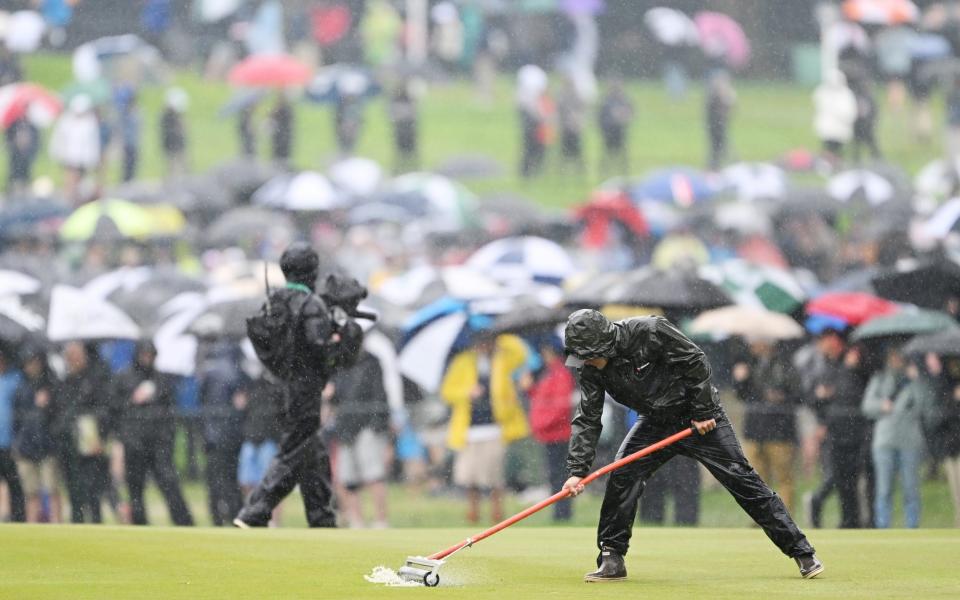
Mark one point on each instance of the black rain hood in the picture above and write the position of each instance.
(589, 334)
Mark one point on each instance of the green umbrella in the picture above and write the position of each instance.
(757, 285)
(127, 219)
(905, 323)
(97, 90)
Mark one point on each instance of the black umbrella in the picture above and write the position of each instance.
(677, 290)
(530, 319)
(926, 283)
(226, 319)
(945, 343)
(248, 225)
(243, 176)
(592, 292)
(143, 304)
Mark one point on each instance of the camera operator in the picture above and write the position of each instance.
(314, 340)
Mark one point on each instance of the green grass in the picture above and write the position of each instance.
(770, 119)
(108, 562)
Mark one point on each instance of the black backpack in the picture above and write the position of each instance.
(273, 333)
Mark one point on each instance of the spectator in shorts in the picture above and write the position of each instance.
(9, 381)
(362, 423)
(261, 432)
(486, 415)
(35, 407)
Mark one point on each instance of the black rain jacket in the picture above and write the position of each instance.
(653, 369)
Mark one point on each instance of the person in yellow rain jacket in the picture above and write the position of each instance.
(486, 415)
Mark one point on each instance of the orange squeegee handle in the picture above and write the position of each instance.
(563, 493)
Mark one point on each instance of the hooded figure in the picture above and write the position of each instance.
(648, 365)
(319, 346)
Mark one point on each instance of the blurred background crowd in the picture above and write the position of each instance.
(156, 170)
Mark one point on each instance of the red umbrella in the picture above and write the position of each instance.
(16, 100)
(853, 307)
(722, 37)
(277, 70)
(604, 209)
(881, 12)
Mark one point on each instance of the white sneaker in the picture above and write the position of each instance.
(240, 524)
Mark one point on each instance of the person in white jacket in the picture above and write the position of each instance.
(75, 144)
(835, 111)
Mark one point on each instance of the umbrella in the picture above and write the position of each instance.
(126, 50)
(241, 177)
(423, 285)
(240, 101)
(124, 218)
(444, 203)
(522, 259)
(937, 178)
(18, 323)
(881, 12)
(144, 301)
(15, 283)
(860, 280)
(853, 308)
(678, 185)
(19, 99)
(746, 321)
(743, 217)
(356, 176)
(97, 90)
(226, 318)
(929, 46)
(756, 286)
(943, 220)
(211, 11)
(436, 333)
(848, 185)
(591, 292)
(671, 27)
(78, 315)
(678, 290)
(306, 191)
(924, 283)
(24, 31)
(722, 37)
(817, 324)
(753, 181)
(249, 225)
(905, 323)
(31, 216)
(945, 343)
(680, 250)
(530, 318)
(269, 71)
(338, 81)
(470, 166)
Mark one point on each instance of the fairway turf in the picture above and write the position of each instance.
(125, 562)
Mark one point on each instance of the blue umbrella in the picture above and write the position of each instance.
(817, 324)
(682, 186)
(929, 46)
(434, 335)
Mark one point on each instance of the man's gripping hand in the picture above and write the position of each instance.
(704, 427)
(573, 484)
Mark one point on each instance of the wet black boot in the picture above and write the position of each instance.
(610, 568)
(809, 565)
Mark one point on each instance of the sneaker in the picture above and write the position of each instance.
(240, 524)
(611, 568)
(809, 565)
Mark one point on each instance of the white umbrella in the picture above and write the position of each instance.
(15, 283)
(671, 27)
(743, 217)
(306, 191)
(25, 29)
(942, 221)
(78, 315)
(746, 321)
(11, 308)
(522, 259)
(937, 178)
(876, 188)
(446, 204)
(753, 181)
(422, 285)
(124, 278)
(176, 349)
(423, 359)
(356, 176)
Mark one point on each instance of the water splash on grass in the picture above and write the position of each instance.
(384, 576)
